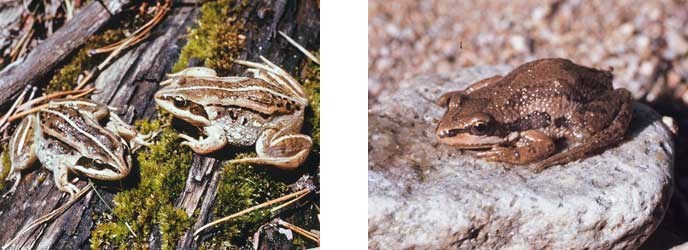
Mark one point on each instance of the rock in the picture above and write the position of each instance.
(423, 195)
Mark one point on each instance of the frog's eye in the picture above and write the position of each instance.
(479, 128)
(180, 101)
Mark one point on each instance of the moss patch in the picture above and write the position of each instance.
(217, 40)
(311, 84)
(163, 168)
(65, 78)
(241, 187)
(4, 166)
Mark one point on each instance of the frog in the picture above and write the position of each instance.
(521, 117)
(265, 110)
(66, 136)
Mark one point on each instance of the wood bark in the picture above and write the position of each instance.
(129, 84)
(44, 58)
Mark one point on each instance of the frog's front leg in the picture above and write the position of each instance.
(128, 132)
(533, 145)
(280, 149)
(61, 176)
(215, 139)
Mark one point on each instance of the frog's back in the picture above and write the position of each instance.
(561, 76)
(545, 89)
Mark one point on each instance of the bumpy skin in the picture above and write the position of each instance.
(521, 115)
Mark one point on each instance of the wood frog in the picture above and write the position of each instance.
(519, 117)
(265, 110)
(67, 136)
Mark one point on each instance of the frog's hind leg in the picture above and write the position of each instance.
(190, 72)
(608, 136)
(21, 150)
(275, 75)
(280, 149)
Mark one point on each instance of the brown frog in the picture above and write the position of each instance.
(519, 117)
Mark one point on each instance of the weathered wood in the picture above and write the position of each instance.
(129, 84)
(41, 60)
(10, 23)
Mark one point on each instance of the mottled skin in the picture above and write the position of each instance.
(521, 115)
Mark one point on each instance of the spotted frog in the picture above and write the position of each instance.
(520, 117)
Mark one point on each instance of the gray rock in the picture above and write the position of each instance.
(424, 195)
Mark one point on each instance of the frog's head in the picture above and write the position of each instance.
(183, 104)
(110, 161)
(465, 124)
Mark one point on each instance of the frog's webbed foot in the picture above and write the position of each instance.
(215, 140)
(610, 135)
(535, 146)
(285, 151)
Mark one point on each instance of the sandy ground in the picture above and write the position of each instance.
(645, 42)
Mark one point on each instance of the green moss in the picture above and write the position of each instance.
(311, 84)
(4, 166)
(217, 40)
(241, 187)
(66, 77)
(163, 168)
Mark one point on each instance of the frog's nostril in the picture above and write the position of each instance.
(448, 133)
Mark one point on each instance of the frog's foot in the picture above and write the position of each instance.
(533, 145)
(285, 152)
(216, 140)
(17, 177)
(142, 140)
(610, 135)
(128, 132)
(61, 176)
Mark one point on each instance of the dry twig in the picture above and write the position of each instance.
(310, 235)
(295, 196)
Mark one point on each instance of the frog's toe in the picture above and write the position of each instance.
(186, 138)
(69, 188)
(495, 154)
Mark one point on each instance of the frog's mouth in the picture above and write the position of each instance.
(469, 141)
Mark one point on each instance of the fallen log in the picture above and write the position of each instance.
(48, 55)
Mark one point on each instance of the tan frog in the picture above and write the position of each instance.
(520, 116)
